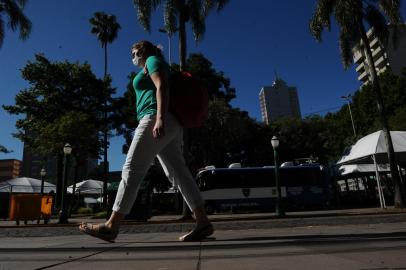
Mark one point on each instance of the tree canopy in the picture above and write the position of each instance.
(62, 104)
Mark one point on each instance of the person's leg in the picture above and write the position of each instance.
(174, 165)
(175, 168)
(141, 154)
(188, 188)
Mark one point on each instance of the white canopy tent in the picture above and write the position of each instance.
(361, 168)
(374, 146)
(25, 185)
(371, 149)
(89, 186)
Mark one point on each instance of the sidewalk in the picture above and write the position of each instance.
(349, 246)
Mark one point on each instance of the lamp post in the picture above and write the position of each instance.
(348, 99)
(42, 173)
(279, 209)
(63, 216)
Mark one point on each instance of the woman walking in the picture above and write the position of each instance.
(160, 135)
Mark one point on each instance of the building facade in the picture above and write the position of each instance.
(385, 56)
(9, 169)
(278, 101)
(33, 164)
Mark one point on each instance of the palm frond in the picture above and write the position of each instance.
(348, 13)
(321, 18)
(22, 3)
(377, 21)
(209, 5)
(391, 8)
(346, 49)
(105, 26)
(316, 28)
(170, 16)
(325, 10)
(17, 19)
(197, 19)
(144, 10)
(221, 4)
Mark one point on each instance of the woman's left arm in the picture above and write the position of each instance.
(161, 84)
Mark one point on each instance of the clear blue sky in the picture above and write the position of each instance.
(248, 42)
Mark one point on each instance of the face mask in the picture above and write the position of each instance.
(136, 60)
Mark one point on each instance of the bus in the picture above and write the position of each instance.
(304, 186)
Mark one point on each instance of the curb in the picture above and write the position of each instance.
(231, 218)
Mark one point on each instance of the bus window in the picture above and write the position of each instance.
(258, 178)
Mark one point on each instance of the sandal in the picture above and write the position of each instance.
(198, 234)
(99, 231)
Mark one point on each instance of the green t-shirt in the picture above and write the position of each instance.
(144, 87)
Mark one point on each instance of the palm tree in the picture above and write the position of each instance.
(181, 11)
(17, 19)
(106, 27)
(351, 16)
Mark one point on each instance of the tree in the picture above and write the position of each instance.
(106, 27)
(351, 16)
(13, 9)
(124, 118)
(176, 14)
(62, 104)
(229, 135)
(4, 149)
(217, 84)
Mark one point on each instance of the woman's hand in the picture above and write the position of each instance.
(158, 131)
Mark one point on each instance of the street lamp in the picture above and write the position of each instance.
(348, 99)
(63, 217)
(279, 209)
(42, 173)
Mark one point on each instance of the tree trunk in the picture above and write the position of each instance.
(182, 35)
(186, 214)
(399, 199)
(59, 172)
(105, 60)
(105, 141)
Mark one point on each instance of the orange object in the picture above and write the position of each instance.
(30, 207)
(46, 206)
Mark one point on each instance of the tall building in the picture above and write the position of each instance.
(9, 169)
(33, 163)
(278, 101)
(385, 56)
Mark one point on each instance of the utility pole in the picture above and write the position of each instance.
(348, 99)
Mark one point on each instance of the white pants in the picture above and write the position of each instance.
(144, 148)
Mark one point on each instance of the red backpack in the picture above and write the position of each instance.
(188, 99)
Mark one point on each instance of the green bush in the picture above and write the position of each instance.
(84, 211)
(102, 214)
